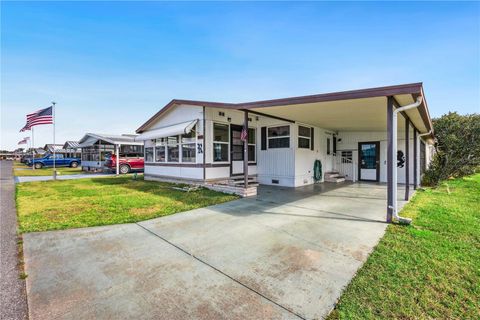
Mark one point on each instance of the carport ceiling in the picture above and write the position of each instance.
(367, 114)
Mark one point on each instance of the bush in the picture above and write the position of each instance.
(457, 144)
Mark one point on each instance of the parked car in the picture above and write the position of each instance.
(126, 164)
(25, 158)
(60, 161)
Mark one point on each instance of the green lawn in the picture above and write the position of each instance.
(63, 204)
(23, 171)
(429, 270)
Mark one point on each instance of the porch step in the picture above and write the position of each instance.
(334, 176)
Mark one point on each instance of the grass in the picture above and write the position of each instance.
(64, 204)
(21, 170)
(429, 270)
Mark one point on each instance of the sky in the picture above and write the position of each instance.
(111, 65)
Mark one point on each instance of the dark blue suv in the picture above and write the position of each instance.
(60, 161)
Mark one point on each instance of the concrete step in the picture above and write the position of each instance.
(250, 177)
(250, 184)
(335, 180)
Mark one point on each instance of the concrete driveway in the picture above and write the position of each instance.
(286, 254)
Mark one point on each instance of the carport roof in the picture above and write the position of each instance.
(363, 109)
(91, 138)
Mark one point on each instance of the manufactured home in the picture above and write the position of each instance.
(97, 147)
(377, 135)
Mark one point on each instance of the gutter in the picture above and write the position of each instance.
(394, 151)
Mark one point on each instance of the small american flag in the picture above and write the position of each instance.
(43, 116)
(244, 134)
(24, 141)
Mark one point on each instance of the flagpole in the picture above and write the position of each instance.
(33, 151)
(53, 114)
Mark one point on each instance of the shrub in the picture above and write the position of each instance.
(457, 147)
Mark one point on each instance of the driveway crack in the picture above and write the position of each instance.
(220, 271)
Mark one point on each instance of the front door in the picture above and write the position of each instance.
(236, 150)
(369, 161)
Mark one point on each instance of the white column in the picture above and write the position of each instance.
(117, 160)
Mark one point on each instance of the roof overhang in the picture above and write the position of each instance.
(90, 139)
(355, 110)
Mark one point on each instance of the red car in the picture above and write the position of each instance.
(126, 164)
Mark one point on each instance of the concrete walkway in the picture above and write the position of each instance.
(61, 177)
(286, 254)
(13, 300)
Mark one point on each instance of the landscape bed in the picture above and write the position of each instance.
(429, 270)
(64, 204)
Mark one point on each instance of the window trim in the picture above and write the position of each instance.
(279, 137)
(220, 142)
(304, 137)
(254, 145)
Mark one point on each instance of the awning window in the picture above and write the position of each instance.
(174, 130)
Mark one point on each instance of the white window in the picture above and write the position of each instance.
(181, 148)
(149, 154)
(221, 139)
(189, 148)
(278, 137)
(304, 137)
(251, 144)
(160, 150)
(173, 149)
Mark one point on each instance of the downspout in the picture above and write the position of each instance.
(394, 151)
(418, 147)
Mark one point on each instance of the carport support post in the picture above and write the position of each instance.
(117, 158)
(407, 158)
(415, 154)
(245, 151)
(390, 159)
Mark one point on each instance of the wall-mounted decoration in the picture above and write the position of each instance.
(400, 159)
(199, 148)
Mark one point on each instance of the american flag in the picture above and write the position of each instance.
(24, 141)
(43, 116)
(244, 134)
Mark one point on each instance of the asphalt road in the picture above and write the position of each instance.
(13, 299)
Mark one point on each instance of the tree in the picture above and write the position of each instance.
(457, 145)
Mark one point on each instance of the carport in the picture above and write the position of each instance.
(399, 111)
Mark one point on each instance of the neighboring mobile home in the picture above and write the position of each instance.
(351, 133)
(72, 149)
(97, 147)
